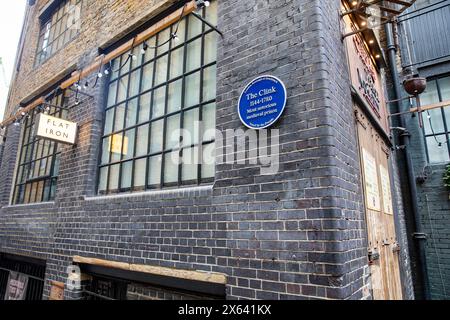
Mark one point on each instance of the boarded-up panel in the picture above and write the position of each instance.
(376, 182)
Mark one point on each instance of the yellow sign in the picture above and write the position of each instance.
(116, 141)
(56, 129)
(386, 187)
(371, 179)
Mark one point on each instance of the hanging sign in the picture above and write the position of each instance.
(262, 102)
(17, 286)
(56, 129)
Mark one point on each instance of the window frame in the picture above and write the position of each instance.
(28, 158)
(132, 67)
(435, 134)
(47, 25)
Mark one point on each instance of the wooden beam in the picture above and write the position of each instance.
(105, 59)
(424, 108)
(217, 278)
(140, 38)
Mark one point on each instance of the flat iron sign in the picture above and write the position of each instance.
(262, 102)
(56, 129)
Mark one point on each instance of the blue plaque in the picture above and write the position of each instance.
(262, 102)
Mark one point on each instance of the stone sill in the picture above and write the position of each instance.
(158, 194)
(30, 205)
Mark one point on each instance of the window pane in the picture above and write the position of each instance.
(127, 168)
(175, 95)
(444, 87)
(114, 177)
(209, 122)
(154, 175)
(161, 70)
(131, 113)
(116, 147)
(193, 55)
(191, 160)
(210, 47)
(191, 127)
(120, 118)
(128, 144)
(172, 132)
(433, 122)
(171, 163)
(142, 141)
(156, 142)
(109, 121)
(176, 63)
(112, 94)
(147, 77)
(211, 13)
(208, 162)
(192, 92)
(134, 83)
(159, 102)
(209, 83)
(431, 95)
(150, 53)
(437, 154)
(139, 173)
(163, 41)
(123, 85)
(195, 27)
(144, 108)
(105, 150)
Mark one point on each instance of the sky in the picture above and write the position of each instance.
(11, 20)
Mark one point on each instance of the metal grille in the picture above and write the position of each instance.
(106, 289)
(35, 273)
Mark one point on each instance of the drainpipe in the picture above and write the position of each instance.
(419, 236)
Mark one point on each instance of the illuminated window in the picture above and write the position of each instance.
(155, 94)
(58, 28)
(38, 167)
(437, 121)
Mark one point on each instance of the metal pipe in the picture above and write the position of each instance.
(418, 235)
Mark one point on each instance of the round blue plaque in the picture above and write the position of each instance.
(262, 102)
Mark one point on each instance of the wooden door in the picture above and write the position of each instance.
(382, 240)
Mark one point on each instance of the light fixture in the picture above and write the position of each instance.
(363, 23)
(144, 48)
(133, 57)
(86, 85)
(106, 72)
(378, 56)
(99, 75)
(175, 37)
(371, 41)
(354, 3)
(202, 3)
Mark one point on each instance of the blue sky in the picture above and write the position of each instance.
(11, 19)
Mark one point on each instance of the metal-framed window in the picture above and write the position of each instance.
(58, 28)
(169, 87)
(437, 121)
(38, 167)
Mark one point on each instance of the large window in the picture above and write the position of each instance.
(38, 167)
(437, 121)
(170, 87)
(58, 28)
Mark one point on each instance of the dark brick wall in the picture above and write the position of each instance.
(298, 234)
